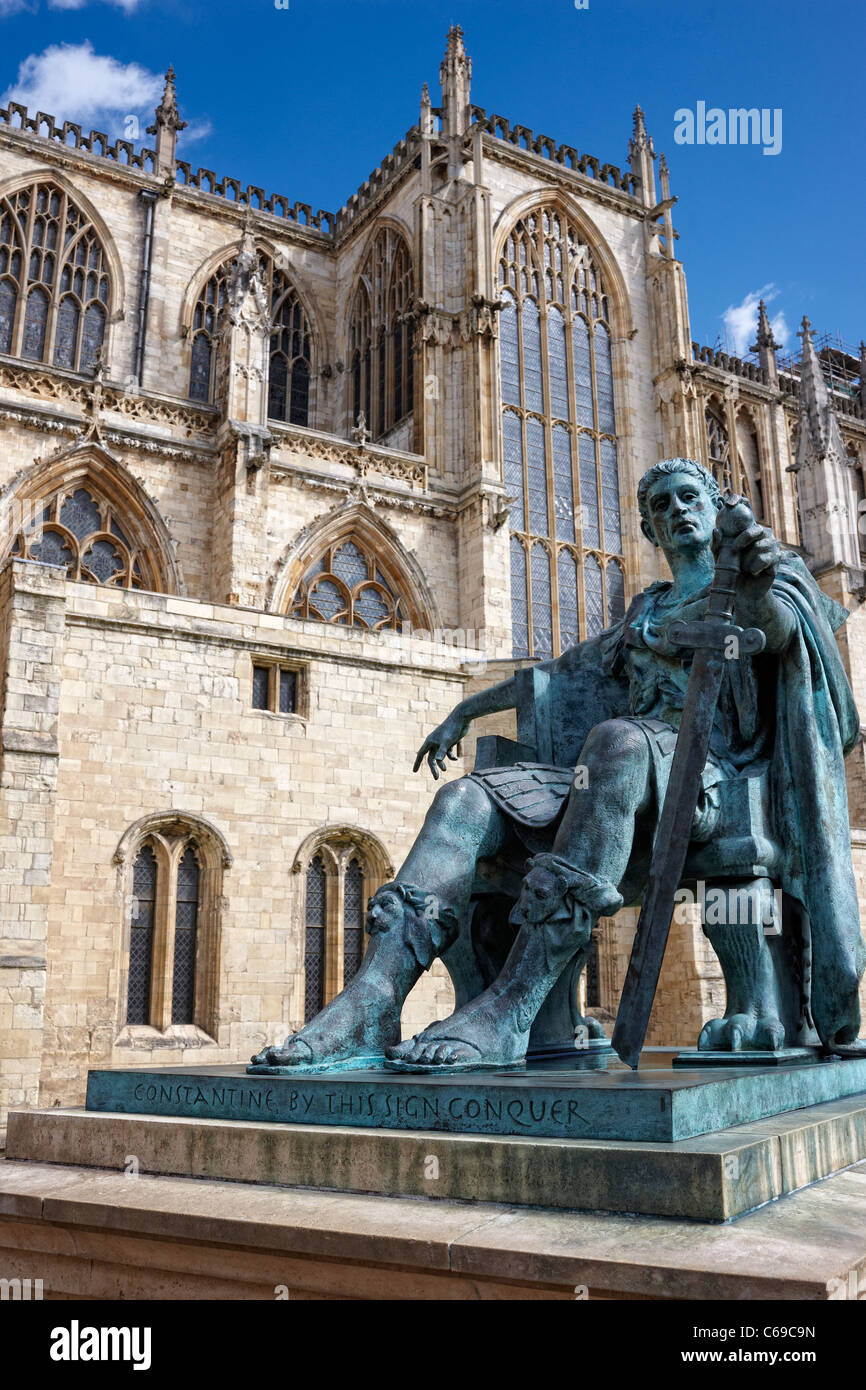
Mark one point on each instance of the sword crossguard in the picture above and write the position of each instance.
(716, 636)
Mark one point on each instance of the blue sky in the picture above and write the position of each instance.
(307, 100)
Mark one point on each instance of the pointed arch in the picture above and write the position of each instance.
(173, 979)
(380, 338)
(295, 342)
(83, 508)
(561, 343)
(61, 278)
(413, 601)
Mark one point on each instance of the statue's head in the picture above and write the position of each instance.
(678, 501)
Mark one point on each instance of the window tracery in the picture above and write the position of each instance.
(80, 529)
(347, 584)
(381, 361)
(291, 345)
(55, 287)
(558, 437)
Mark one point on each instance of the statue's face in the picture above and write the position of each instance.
(384, 911)
(682, 514)
(541, 892)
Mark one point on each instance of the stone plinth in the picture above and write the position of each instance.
(596, 1099)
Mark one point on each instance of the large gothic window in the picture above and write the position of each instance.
(348, 585)
(381, 368)
(558, 438)
(290, 356)
(54, 283)
(80, 529)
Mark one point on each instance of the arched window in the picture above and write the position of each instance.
(342, 869)
(174, 893)
(349, 585)
(205, 325)
(289, 376)
(749, 481)
(558, 438)
(718, 446)
(76, 526)
(290, 359)
(380, 336)
(55, 288)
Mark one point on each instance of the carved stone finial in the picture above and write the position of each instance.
(167, 126)
(360, 434)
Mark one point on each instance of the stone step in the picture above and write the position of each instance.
(712, 1177)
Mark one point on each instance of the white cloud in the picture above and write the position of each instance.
(71, 82)
(196, 130)
(8, 7)
(741, 320)
(127, 5)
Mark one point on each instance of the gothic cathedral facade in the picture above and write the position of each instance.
(277, 489)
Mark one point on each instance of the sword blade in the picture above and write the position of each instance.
(669, 855)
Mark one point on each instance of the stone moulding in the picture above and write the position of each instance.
(366, 459)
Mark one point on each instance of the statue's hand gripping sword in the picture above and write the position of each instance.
(714, 640)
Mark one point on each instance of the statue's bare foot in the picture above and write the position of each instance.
(360, 1023)
(743, 1032)
(485, 1033)
(406, 932)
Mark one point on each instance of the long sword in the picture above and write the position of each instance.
(714, 639)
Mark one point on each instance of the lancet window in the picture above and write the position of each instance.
(381, 367)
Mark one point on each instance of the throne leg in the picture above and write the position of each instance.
(740, 920)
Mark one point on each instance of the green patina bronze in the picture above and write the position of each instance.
(516, 861)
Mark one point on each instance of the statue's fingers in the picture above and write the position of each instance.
(431, 764)
(748, 537)
(452, 756)
(419, 758)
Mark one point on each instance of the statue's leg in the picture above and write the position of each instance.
(752, 1017)
(563, 896)
(410, 922)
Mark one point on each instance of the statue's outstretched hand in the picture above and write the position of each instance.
(438, 745)
(759, 553)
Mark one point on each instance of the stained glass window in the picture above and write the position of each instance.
(54, 281)
(141, 936)
(380, 320)
(353, 920)
(290, 352)
(348, 586)
(79, 530)
(314, 941)
(558, 437)
(185, 933)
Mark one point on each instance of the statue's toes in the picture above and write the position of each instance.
(292, 1052)
(400, 1051)
(770, 1033)
(712, 1037)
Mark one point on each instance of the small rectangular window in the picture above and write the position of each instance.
(276, 689)
(261, 687)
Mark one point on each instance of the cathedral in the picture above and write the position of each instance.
(279, 488)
